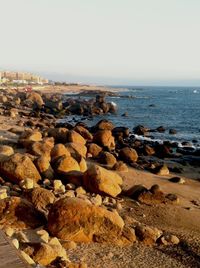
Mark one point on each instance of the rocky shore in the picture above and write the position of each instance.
(79, 196)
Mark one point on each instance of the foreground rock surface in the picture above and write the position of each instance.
(18, 167)
(19, 213)
(74, 219)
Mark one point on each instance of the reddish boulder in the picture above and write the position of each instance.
(128, 155)
(19, 213)
(77, 220)
(18, 167)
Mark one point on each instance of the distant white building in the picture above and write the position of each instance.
(20, 82)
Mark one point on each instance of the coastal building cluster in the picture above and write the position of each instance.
(21, 78)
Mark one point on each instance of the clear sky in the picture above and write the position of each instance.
(103, 41)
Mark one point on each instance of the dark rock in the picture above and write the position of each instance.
(160, 129)
(106, 158)
(120, 132)
(104, 138)
(128, 155)
(140, 130)
(173, 131)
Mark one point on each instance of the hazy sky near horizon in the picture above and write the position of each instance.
(103, 41)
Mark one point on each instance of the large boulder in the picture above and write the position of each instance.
(141, 130)
(77, 220)
(59, 150)
(18, 167)
(65, 164)
(42, 148)
(128, 155)
(104, 138)
(44, 254)
(74, 136)
(35, 98)
(40, 198)
(29, 136)
(100, 180)
(107, 159)
(19, 213)
(74, 177)
(76, 149)
(59, 134)
(94, 149)
(104, 125)
(83, 132)
(121, 132)
(43, 165)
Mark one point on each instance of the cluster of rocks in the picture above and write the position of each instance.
(187, 148)
(53, 194)
(16, 102)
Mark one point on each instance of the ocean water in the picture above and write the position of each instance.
(172, 107)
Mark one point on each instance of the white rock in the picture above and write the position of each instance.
(27, 258)
(15, 243)
(27, 183)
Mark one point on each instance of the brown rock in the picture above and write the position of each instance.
(128, 236)
(59, 134)
(94, 149)
(100, 180)
(150, 198)
(40, 198)
(19, 213)
(76, 149)
(120, 166)
(82, 164)
(162, 170)
(18, 167)
(65, 164)
(76, 220)
(29, 136)
(44, 167)
(148, 235)
(141, 130)
(42, 148)
(104, 125)
(35, 98)
(83, 132)
(148, 150)
(104, 138)
(75, 177)
(59, 150)
(129, 155)
(75, 137)
(6, 150)
(106, 158)
(47, 253)
(168, 239)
